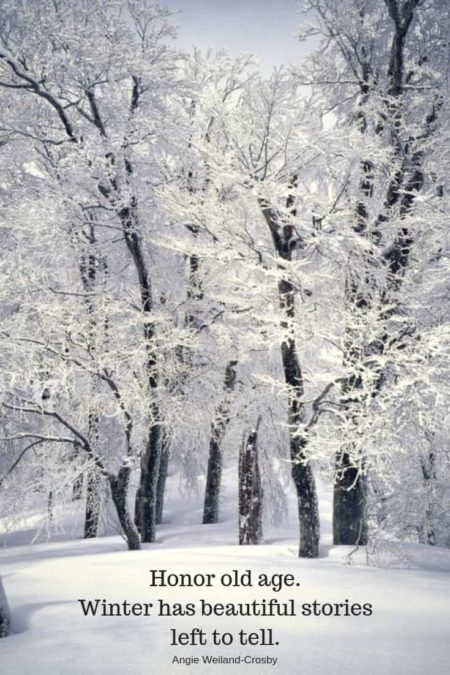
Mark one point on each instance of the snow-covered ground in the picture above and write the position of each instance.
(407, 634)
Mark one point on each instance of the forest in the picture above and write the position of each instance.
(207, 266)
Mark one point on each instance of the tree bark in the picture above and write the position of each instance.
(93, 497)
(349, 504)
(92, 507)
(285, 240)
(349, 495)
(90, 263)
(250, 491)
(162, 478)
(119, 491)
(146, 497)
(215, 459)
(5, 617)
(427, 534)
(50, 505)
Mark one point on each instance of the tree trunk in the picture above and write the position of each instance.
(250, 491)
(91, 262)
(92, 507)
(50, 505)
(213, 481)
(146, 496)
(349, 504)
(286, 239)
(77, 488)
(162, 478)
(119, 491)
(215, 459)
(308, 510)
(427, 534)
(93, 497)
(5, 617)
(349, 495)
(302, 475)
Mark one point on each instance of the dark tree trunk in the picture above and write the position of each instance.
(286, 239)
(308, 510)
(162, 478)
(92, 508)
(349, 504)
(213, 481)
(5, 617)
(50, 505)
(119, 491)
(302, 475)
(349, 495)
(77, 488)
(146, 496)
(90, 265)
(427, 534)
(250, 492)
(215, 459)
(93, 496)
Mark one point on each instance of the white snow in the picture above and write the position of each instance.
(408, 633)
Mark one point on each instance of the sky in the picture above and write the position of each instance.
(265, 28)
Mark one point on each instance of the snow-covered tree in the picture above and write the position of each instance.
(381, 68)
(91, 84)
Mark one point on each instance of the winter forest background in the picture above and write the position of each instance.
(209, 270)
